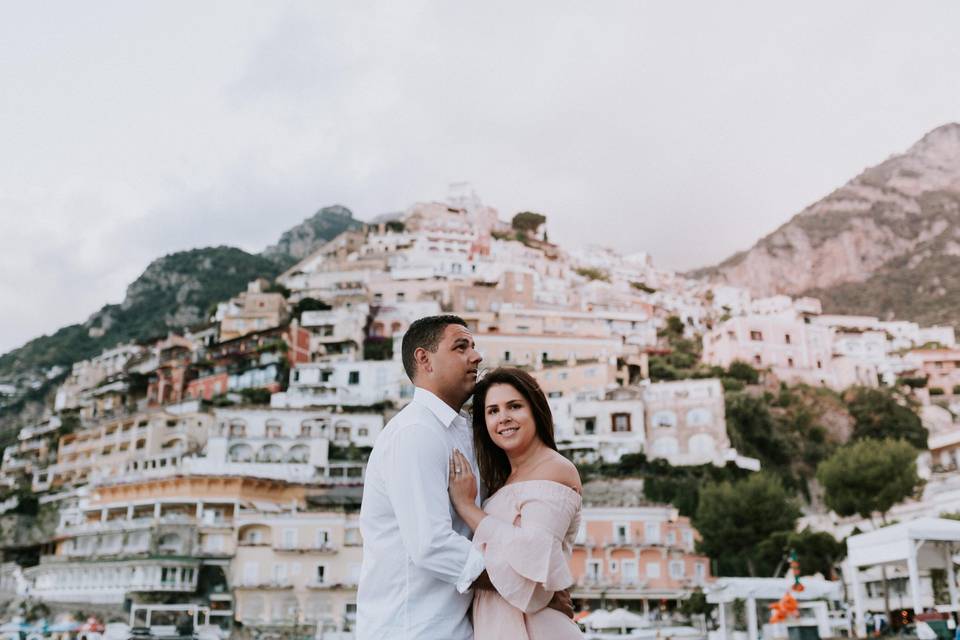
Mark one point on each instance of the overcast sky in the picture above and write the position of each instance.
(129, 130)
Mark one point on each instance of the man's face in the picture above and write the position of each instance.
(453, 368)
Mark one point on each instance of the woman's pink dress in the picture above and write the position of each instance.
(526, 540)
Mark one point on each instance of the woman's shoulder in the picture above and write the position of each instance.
(560, 470)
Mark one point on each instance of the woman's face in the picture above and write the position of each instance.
(509, 418)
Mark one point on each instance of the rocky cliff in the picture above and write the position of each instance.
(885, 243)
(300, 241)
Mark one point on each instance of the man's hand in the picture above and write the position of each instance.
(562, 602)
(483, 582)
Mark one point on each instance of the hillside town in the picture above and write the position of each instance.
(222, 465)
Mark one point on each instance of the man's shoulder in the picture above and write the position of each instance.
(413, 416)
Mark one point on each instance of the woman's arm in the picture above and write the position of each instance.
(463, 490)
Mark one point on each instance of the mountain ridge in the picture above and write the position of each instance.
(897, 221)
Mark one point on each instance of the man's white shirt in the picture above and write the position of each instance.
(418, 562)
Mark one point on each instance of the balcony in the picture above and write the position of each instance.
(325, 547)
(331, 584)
(256, 583)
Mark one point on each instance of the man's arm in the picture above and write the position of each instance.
(415, 474)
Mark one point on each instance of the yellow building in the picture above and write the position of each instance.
(298, 567)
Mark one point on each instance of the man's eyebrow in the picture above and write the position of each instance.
(457, 342)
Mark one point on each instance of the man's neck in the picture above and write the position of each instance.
(448, 399)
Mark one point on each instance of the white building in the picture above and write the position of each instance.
(285, 444)
(360, 383)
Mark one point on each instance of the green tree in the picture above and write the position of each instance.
(882, 413)
(309, 304)
(740, 370)
(868, 477)
(817, 551)
(754, 432)
(673, 328)
(734, 518)
(528, 221)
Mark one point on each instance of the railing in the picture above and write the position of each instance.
(276, 583)
(325, 547)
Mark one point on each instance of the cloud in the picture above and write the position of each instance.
(685, 129)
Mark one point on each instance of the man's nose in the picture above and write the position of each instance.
(477, 356)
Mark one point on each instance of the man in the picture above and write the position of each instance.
(418, 563)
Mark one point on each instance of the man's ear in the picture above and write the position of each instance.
(422, 357)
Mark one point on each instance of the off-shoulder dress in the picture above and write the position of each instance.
(526, 540)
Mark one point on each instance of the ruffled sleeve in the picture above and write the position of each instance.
(525, 561)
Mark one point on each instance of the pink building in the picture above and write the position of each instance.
(940, 366)
(791, 348)
(633, 556)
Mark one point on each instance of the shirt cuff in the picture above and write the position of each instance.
(471, 571)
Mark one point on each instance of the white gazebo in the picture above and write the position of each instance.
(816, 591)
(921, 544)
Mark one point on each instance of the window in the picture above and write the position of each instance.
(321, 573)
(628, 571)
(651, 532)
(700, 571)
(789, 362)
(280, 573)
(756, 336)
(589, 426)
(653, 569)
(593, 570)
(323, 538)
(506, 356)
(757, 359)
(621, 533)
(819, 364)
(677, 569)
(671, 538)
(363, 432)
(251, 573)
(621, 422)
(289, 538)
(401, 296)
(786, 338)
(353, 377)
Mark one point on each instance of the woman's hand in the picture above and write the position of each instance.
(462, 486)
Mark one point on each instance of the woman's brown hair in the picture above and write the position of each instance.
(492, 460)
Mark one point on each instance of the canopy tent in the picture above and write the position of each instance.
(617, 619)
(924, 543)
(723, 591)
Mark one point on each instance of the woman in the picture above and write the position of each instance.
(527, 525)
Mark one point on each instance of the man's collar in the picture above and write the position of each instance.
(444, 412)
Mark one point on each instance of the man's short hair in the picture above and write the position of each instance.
(426, 333)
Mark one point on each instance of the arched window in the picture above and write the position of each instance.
(703, 445)
(298, 453)
(665, 447)
(273, 429)
(698, 417)
(665, 419)
(270, 453)
(238, 428)
(240, 452)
